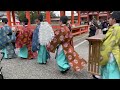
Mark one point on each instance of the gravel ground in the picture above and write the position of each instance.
(30, 69)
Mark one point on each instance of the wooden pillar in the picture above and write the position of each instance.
(13, 17)
(38, 12)
(97, 15)
(79, 18)
(72, 17)
(9, 18)
(48, 18)
(28, 17)
(108, 14)
(88, 16)
(62, 13)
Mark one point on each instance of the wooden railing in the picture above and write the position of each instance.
(76, 30)
(33, 26)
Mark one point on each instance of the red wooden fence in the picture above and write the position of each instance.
(76, 30)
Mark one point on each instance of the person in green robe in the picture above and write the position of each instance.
(43, 54)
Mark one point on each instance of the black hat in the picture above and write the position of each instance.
(116, 15)
(25, 20)
(64, 19)
(4, 20)
(40, 17)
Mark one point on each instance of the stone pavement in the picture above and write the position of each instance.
(30, 69)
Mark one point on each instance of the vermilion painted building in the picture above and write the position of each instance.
(87, 15)
(3, 14)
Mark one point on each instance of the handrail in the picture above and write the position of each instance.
(76, 30)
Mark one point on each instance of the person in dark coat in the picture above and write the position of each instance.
(92, 29)
(105, 27)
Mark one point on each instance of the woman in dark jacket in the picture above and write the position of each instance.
(92, 30)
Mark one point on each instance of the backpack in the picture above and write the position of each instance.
(46, 33)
